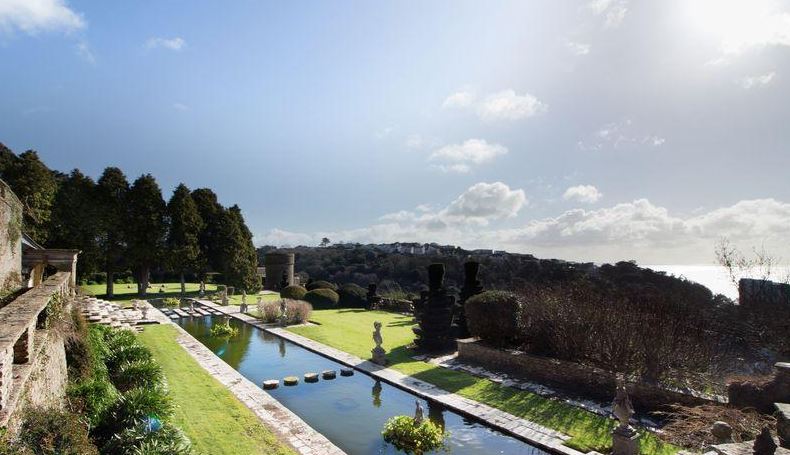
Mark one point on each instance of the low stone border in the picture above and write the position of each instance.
(525, 430)
(285, 424)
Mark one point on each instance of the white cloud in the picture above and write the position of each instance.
(507, 105)
(459, 100)
(632, 230)
(460, 157)
(619, 135)
(582, 193)
(613, 11)
(34, 16)
(757, 81)
(503, 105)
(173, 44)
(578, 48)
(85, 53)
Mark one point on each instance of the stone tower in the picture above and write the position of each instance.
(279, 266)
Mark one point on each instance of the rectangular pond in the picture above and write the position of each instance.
(349, 411)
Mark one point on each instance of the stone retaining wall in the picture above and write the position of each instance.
(10, 239)
(573, 377)
(32, 358)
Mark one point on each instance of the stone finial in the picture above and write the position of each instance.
(418, 413)
(379, 354)
(622, 407)
(722, 431)
(625, 439)
(764, 444)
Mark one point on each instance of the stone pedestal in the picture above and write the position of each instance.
(625, 441)
(379, 355)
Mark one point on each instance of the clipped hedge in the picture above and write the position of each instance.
(293, 292)
(352, 296)
(494, 317)
(322, 298)
(321, 284)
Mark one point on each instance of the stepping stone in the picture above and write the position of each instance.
(290, 380)
(271, 384)
(346, 372)
(311, 377)
(328, 374)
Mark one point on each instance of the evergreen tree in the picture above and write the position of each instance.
(145, 228)
(183, 240)
(75, 221)
(111, 197)
(210, 241)
(35, 185)
(240, 260)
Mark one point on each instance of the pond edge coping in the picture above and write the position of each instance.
(504, 422)
(289, 428)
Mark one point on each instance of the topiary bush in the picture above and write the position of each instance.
(352, 296)
(406, 435)
(293, 292)
(321, 284)
(494, 316)
(322, 298)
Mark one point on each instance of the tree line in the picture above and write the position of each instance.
(121, 226)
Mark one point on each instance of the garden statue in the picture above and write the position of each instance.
(192, 306)
(202, 292)
(435, 319)
(283, 313)
(379, 354)
(625, 439)
(764, 444)
(225, 297)
(145, 311)
(243, 307)
(472, 286)
(418, 414)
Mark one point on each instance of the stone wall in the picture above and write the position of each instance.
(32, 354)
(571, 377)
(10, 239)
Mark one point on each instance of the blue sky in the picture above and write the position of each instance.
(588, 130)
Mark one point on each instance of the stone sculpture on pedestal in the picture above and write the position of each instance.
(625, 439)
(434, 332)
(418, 413)
(202, 289)
(243, 307)
(379, 354)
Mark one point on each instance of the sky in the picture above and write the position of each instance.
(598, 130)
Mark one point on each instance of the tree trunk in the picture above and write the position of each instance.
(110, 279)
(143, 282)
(183, 285)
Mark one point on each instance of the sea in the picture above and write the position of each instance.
(715, 277)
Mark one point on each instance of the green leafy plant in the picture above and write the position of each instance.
(137, 373)
(407, 435)
(144, 440)
(171, 302)
(52, 431)
(322, 298)
(224, 330)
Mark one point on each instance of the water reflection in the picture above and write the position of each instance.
(436, 414)
(377, 394)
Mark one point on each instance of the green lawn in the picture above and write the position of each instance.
(350, 330)
(125, 293)
(215, 421)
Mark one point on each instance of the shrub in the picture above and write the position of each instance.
(270, 311)
(133, 407)
(92, 397)
(224, 329)
(494, 316)
(52, 431)
(125, 354)
(144, 439)
(137, 373)
(171, 302)
(322, 298)
(293, 292)
(404, 433)
(321, 284)
(352, 296)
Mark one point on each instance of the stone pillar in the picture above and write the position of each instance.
(278, 264)
(23, 347)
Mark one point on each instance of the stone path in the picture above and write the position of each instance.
(98, 311)
(284, 423)
(535, 434)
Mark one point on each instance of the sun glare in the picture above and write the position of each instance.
(739, 24)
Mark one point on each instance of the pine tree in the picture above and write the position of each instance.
(75, 220)
(35, 185)
(185, 226)
(145, 228)
(241, 261)
(210, 242)
(112, 191)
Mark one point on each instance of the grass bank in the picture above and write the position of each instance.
(124, 293)
(213, 419)
(350, 330)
